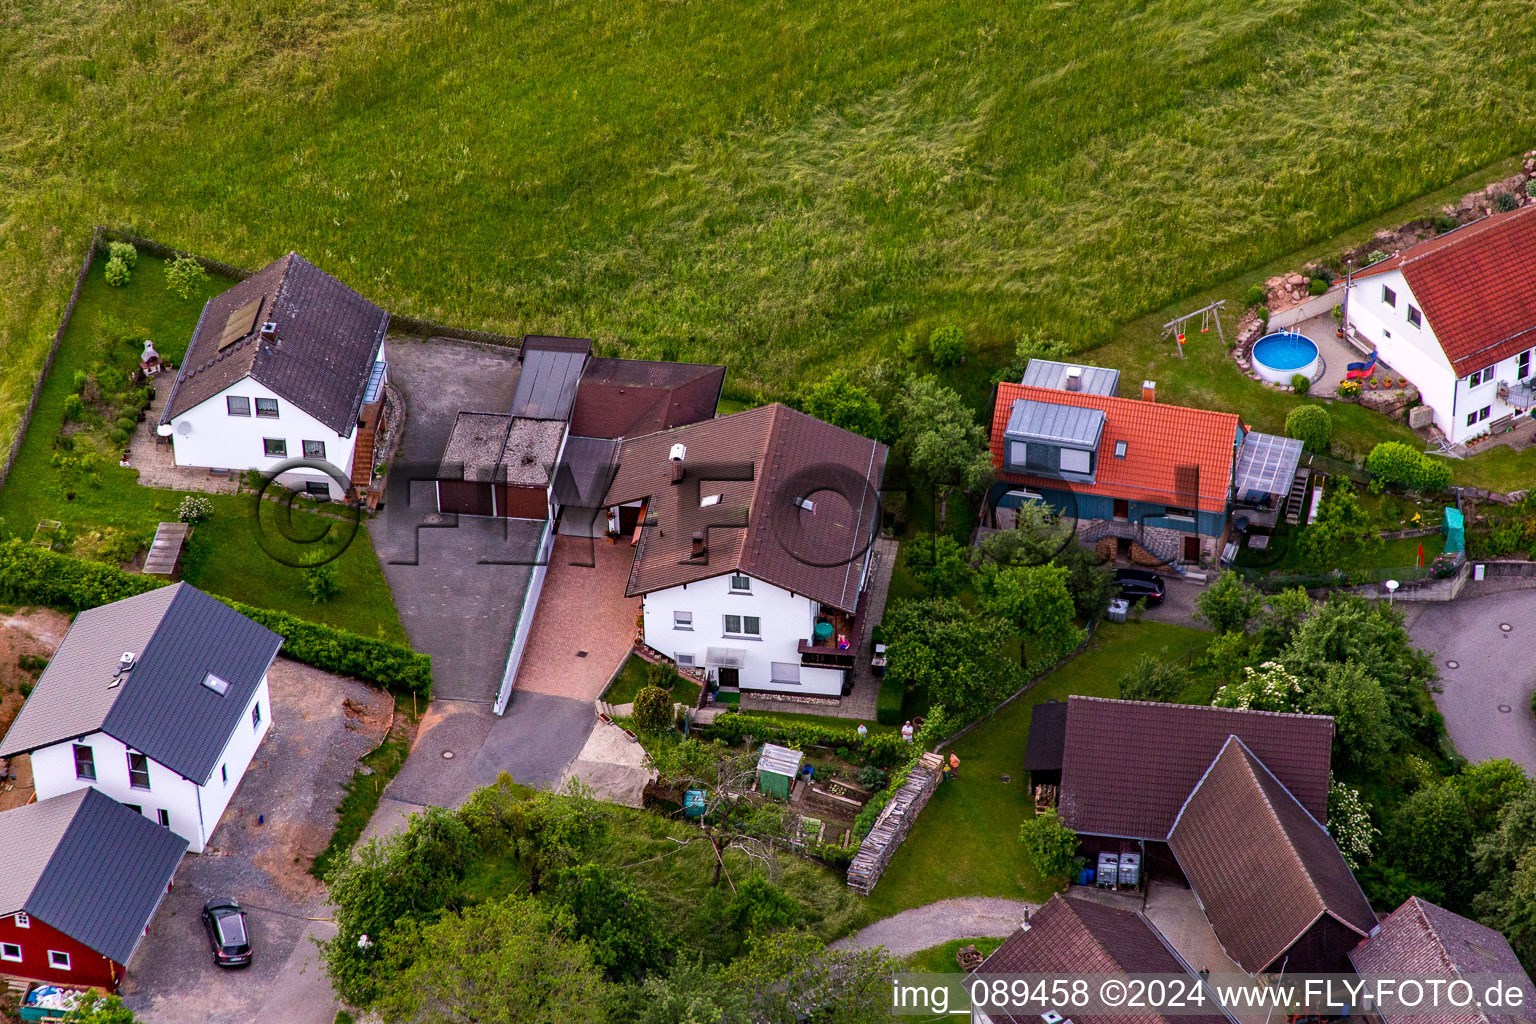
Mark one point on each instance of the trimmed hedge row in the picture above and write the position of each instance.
(36, 575)
(882, 749)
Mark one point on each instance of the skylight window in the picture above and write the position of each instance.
(708, 500)
(1120, 449)
(214, 683)
(807, 504)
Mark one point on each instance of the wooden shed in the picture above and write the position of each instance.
(776, 769)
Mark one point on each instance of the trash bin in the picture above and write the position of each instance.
(1119, 608)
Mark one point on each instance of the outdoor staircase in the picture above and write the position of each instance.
(1163, 549)
(362, 459)
(1297, 496)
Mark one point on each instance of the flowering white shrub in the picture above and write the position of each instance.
(1266, 688)
(194, 508)
(1350, 824)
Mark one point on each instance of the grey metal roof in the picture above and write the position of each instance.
(88, 866)
(1095, 380)
(1266, 464)
(586, 467)
(165, 711)
(475, 446)
(328, 340)
(1072, 425)
(779, 760)
(546, 388)
(72, 697)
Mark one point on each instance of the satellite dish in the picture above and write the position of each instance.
(184, 428)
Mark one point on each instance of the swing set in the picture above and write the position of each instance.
(1208, 315)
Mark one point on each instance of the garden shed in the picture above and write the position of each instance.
(776, 769)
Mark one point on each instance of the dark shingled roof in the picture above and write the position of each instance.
(88, 866)
(161, 707)
(630, 397)
(585, 468)
(1263, 868)
(1421, 940)
(1047, 737)
(1071, 936)
(759, 462)
(546, 387)
(1128, 766)
(328, 338)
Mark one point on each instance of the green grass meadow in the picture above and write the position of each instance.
(780, 187)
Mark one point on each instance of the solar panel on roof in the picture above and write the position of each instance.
(240, 323)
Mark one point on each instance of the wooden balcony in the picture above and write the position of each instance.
(841, 648)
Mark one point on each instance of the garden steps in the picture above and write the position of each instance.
(1296, 497)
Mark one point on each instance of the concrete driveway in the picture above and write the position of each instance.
(1178, 605)
(321, 725)
(1486, 697)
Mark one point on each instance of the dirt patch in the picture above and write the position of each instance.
(28, 638)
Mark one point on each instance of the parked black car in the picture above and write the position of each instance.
(227, 933)
(1140, 584)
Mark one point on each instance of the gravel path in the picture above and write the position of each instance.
(920, 928)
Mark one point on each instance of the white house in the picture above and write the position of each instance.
(159, 701)
(752, 551)
(287, 364)
(1456, 315)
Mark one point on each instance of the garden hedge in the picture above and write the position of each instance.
(882, 749)
(888, 702)
(35, 575)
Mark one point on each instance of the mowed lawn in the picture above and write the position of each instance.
(783, 187)
(966, 843)
(225, 555)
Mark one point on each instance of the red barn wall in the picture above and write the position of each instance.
(87, 968)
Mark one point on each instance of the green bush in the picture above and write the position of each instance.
(653, 710)
(182, 276)
(74, 408)
(947, 346)
(1255, 295)
(1311, 425)
(1445, 222)
(124, 251)
(383, 662)
(117, 435)
(1506, 201)
(1263, 313)
(1300, 383)
(882, 749)
(888, 702)
(81, 380)
(1374, 256)
(36, 575)
(126, 424)
(1316, 286)
(322, 583)
(117, 272)
(1393, 462)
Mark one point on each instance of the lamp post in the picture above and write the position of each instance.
(1391, 586)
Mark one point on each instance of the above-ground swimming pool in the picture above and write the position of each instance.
(1280, 356)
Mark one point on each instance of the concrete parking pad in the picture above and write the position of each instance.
(321, 725)
(585, 626)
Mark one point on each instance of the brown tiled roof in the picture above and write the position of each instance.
(1170, 450)
(1129, 765)
(1071, 936)
(328, 338)
(1421, 940)
(778, 455)
(631, 397)
(1476, 286)
(1264, 869)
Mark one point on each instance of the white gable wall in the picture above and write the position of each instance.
(194, 810)
(785, 620)
(1415, 352)
(221, 441)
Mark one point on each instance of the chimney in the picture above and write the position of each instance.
(269, 331)
(1149, 391)
(698, 545)
(1074, 380)
(676, 457)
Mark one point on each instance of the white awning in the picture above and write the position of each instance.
(725, 657)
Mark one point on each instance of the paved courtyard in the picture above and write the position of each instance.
(585, 626)
(153, 457)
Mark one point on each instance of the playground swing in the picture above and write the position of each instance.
(1208, 315)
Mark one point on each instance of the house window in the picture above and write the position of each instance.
(238, 406)
(1120, 448)
(683, 660)
(1523, 366)
(214, 683)
(85, 762)
(224, 773)
(708, 500)
(1480, 377)
(317, 488)
(682, 620)
(743, 625)
(138, 770)
(784, 672)
(10, 951)
(741, 584)
(1482, 413)
(135, 808)
(23, 919)
(1471, 419)
(1415, 318)
(1075, 461)
(58, 960)
(164, 816)
(266, 408)
(1174, 512)
(274, 447)
(256, 715)
(1389, 296)
(314, 450)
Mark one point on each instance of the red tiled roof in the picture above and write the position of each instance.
(1162, 442)
(1264, 869)
(769, 456)
(1128, 765)
(1072, 936)
(1421, 940)
(1476, 286)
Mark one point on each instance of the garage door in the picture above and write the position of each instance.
(464, 497)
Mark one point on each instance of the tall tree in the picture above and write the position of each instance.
(838, 400)
(793, 978)
(938, 434)
(617, 919)
(1229, 604)
(949, 654)
(1034, 600)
